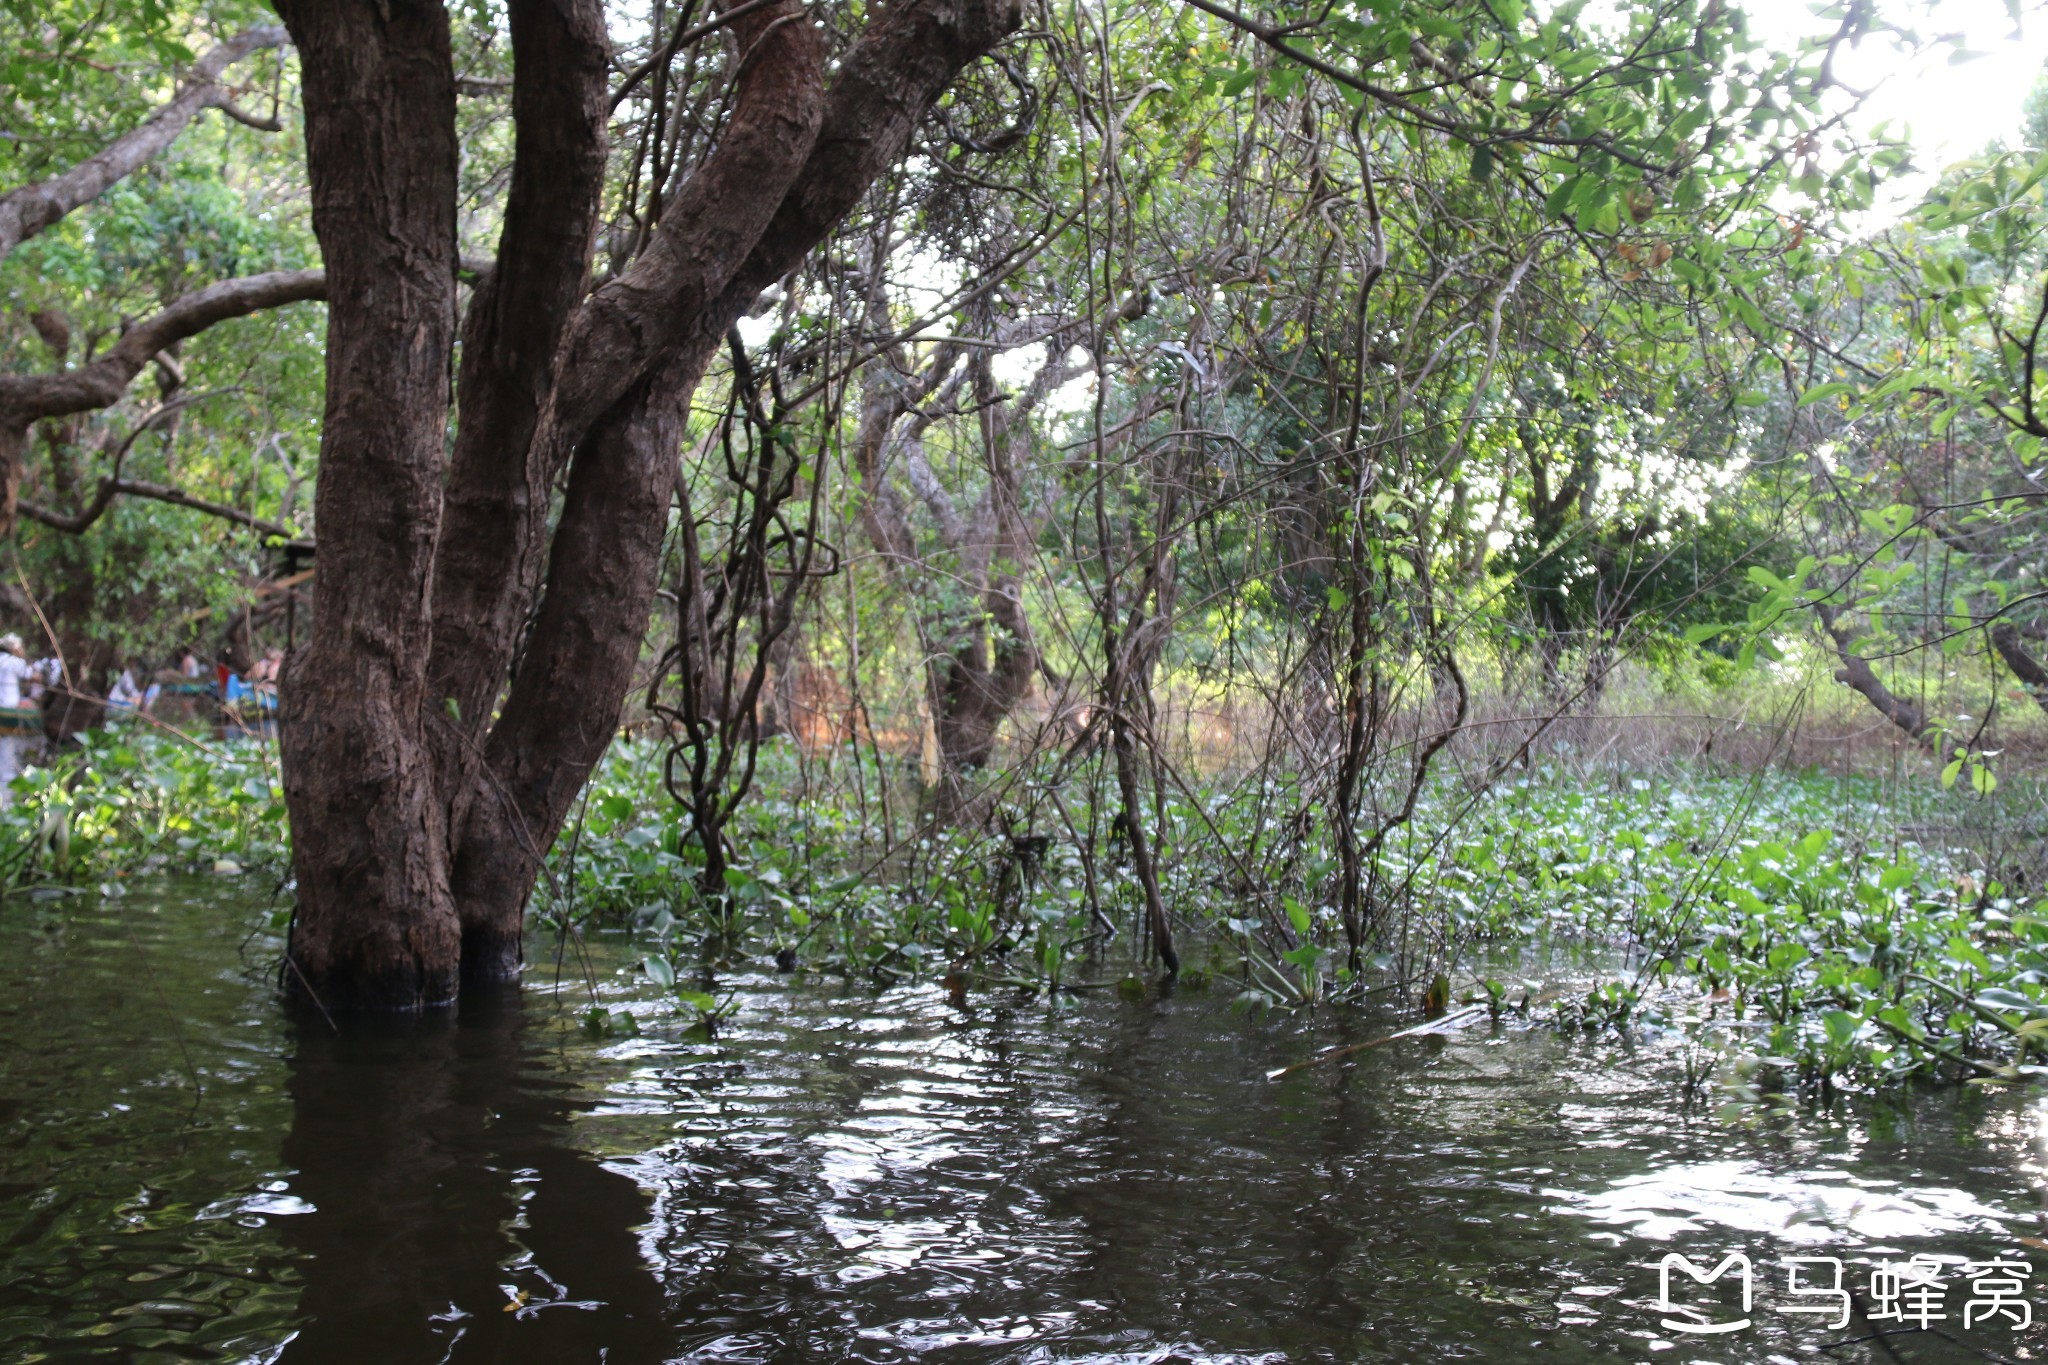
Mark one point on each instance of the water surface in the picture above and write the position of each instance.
(850, 1173)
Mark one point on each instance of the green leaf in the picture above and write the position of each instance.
(1820, 392)
(1841, 1027)
(659, 971)
(1561, 198)
(1298, 915)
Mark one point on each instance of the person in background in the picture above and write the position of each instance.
(183, 669)
(229, 672)
(13, 669)
(124, 695)
(43, 675)
(264, 675)
(263, 678)
(128, 693)
(238, 678)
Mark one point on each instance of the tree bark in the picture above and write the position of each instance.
(564, 701)
(376, 925)
(638, 323)
(510, 353)
(497, 492)
(564, 706)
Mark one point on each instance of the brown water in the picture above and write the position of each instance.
(849, 1174)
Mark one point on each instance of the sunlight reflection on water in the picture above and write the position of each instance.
(1816, 1207)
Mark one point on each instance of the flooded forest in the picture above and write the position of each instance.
(1150, 681)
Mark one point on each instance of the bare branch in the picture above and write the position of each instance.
(26, 398)
(2006, 640)
(261, 123)
(682, 39)
(110, 489)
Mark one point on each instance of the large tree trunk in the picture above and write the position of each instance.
(430, 755)
(376, 925)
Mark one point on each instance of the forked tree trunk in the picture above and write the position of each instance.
(431, 756)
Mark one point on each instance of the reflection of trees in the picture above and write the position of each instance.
(437, 1155)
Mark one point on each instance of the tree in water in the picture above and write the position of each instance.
(424, 788)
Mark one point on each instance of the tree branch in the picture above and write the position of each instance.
(683, 38)
(24, 398)
(633, 323)
(26, 211)
(2006, 640)
(110, 489)
(1857, 675)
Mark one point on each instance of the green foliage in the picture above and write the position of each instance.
(131, 801)
(1857, 959)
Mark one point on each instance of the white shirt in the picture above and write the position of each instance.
(12, 670)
